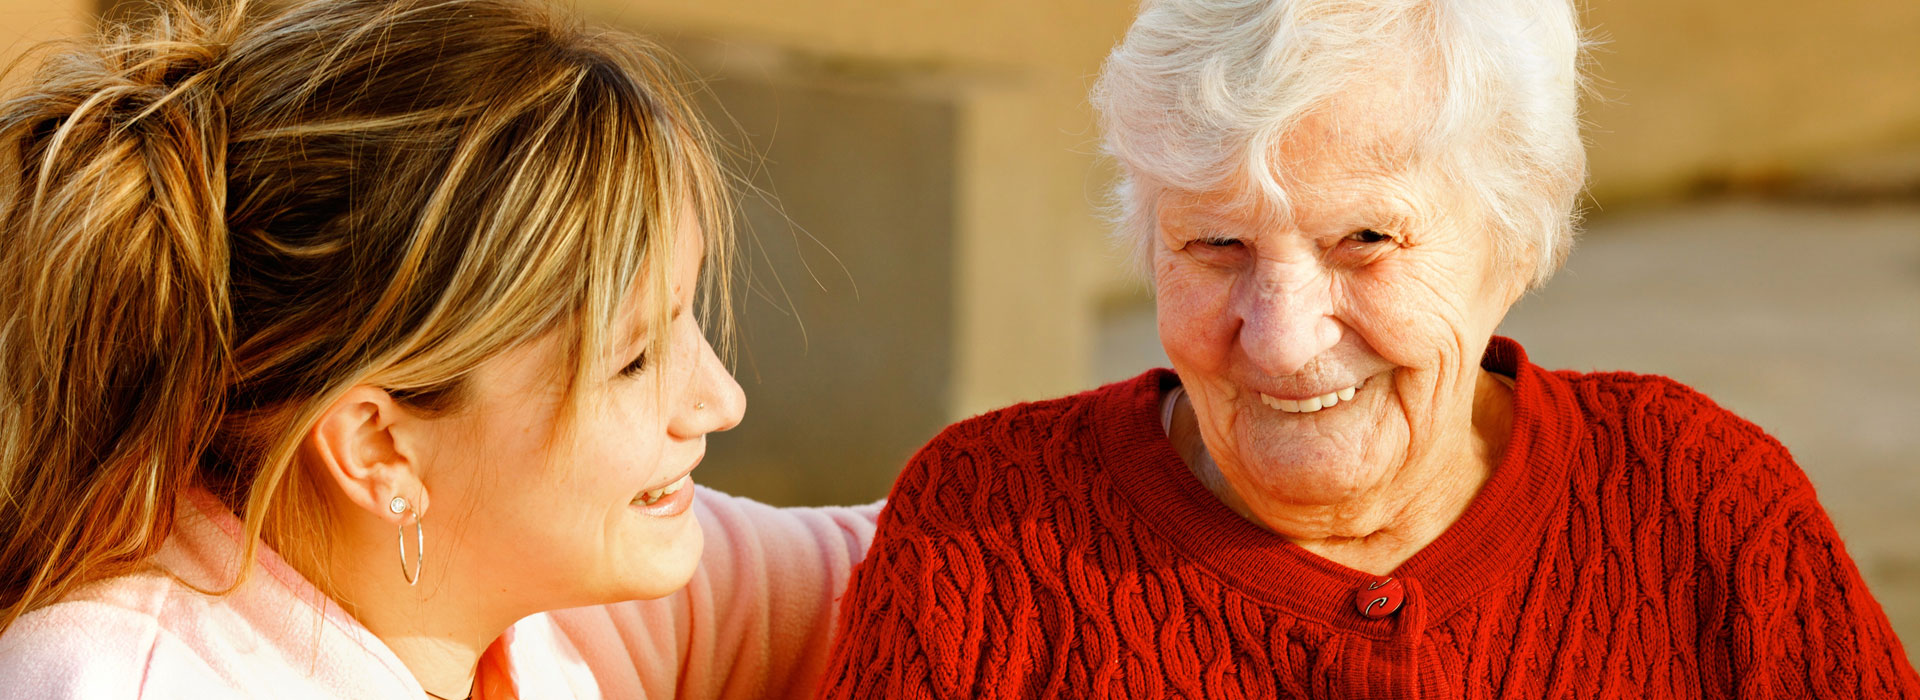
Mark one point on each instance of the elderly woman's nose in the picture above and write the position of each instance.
(1287, 317)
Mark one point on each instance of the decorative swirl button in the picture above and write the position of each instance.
(1380, 598)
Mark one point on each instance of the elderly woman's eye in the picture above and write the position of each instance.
(1369, 236)
(1214, 250)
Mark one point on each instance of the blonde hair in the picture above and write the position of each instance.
(216, 222)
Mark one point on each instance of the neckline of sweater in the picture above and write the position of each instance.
(1488, 544)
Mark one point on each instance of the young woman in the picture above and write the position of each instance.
(345, 342)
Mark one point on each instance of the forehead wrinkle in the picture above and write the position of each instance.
(1377, 123)
(1323, 143)
(1335, 166)
(1313, 164)
(1234, 205)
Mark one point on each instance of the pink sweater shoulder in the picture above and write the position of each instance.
(753, 623)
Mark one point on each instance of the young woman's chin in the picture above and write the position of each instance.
(668, 559)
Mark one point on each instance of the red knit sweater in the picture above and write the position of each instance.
(1635, 541)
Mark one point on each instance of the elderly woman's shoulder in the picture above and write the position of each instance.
(1029, 429)
(1651, 422)
(1018, 450)
(1657, 404)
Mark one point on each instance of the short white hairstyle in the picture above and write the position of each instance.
(1201, 92)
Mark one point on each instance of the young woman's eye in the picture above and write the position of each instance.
(636, 367)
(1368, 236)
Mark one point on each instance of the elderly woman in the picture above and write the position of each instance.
(1346, 486)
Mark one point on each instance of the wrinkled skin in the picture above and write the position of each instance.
(1376, 274)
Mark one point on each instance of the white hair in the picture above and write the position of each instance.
(1203, 91)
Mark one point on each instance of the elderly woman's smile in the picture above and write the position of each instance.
(1324, 340)
(1311, 404)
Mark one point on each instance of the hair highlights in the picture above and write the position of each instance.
(217, 222)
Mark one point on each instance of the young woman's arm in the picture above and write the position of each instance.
(754, 622)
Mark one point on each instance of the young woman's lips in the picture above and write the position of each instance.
(669, 504)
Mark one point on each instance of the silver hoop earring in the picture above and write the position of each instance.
(397, 506)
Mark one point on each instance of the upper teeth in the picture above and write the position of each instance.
(649, 497)
(1309, 405)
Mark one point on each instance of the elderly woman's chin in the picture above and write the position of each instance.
(1323, 457)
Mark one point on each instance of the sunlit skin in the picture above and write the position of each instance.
(1378, 273)
(521, 519)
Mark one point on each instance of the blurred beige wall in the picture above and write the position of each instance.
(1687, 95)
(1710, 90)
(1690, 92)
(1748, 90)
(25, 23)
(1031, 258)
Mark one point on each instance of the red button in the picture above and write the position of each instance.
(1380, 598)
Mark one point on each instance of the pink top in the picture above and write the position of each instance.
(753, 623)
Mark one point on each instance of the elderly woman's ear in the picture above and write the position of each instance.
(1516, 274)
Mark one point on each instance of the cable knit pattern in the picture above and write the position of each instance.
(1635, 540)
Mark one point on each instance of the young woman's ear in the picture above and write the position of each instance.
(360, 447)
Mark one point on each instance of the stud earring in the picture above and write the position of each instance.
(701, 406)
(397, 506)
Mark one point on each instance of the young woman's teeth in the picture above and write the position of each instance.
(654, 496)
(1310, 405)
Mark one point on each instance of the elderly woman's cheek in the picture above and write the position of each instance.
(1195, 316)
(1422, 309)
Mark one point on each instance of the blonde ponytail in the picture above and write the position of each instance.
(115, 344)
(215, 223)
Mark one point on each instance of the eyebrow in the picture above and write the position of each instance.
(1211, 221)
(1372, 211)
(639, 335)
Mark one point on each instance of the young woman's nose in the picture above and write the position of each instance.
(714, 401)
